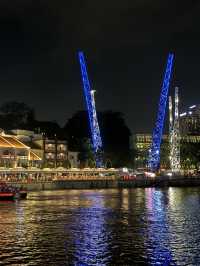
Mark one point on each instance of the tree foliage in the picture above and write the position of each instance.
(50, 128)
(16, 115)
(114, 131)
(190, 155)
(115, 135)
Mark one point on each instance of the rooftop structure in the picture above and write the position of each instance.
(14, 153)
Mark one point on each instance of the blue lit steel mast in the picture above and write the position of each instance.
(154, 159)
(92, 115)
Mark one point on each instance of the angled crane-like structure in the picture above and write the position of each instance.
(154, 157)
(174, 134)
(170, 131)
(92, 115)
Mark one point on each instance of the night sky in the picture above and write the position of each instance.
(126, 45)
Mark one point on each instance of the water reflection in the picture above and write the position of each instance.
(90, 236)
(102, 227)
(184, 222)
(125, 199)
(157, 237)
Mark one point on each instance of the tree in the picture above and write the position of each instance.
(67, 164)
(164, 157)
(50, 128)
(85, 155)
(115, 135)
(108, 163)
(190, 155)
(16, 115)
(77, 130)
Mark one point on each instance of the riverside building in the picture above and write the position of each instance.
(54, 152)
(190, 121)
(141, 143)
(14, 153)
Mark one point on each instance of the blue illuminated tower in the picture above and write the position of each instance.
(92, 115)
(154, 158)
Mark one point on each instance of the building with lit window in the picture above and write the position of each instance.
(190, 121)
(54, 152)
(14, 153)
(141, 143)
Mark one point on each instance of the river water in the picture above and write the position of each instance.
(149, 226)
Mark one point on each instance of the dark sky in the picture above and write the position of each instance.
(126, 45)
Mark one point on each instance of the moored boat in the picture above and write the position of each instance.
(8, 192)
(7, 195)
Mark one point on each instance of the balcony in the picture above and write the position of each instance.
(61, 147)
(50, 151)
(61, 157)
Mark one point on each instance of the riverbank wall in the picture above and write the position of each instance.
(103, 184)
(178, 181)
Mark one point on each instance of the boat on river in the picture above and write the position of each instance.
(22, 194)
(7, 196)
(8, 192)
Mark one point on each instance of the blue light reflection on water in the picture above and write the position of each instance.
(90, 236)
(157, 238)
(102, 227)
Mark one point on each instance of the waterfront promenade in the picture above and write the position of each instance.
(38, 180)
(161, 181)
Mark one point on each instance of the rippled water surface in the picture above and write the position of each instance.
(102, 227)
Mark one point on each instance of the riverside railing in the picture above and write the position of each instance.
(51, 175)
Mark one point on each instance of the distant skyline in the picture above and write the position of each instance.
(125, 44)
